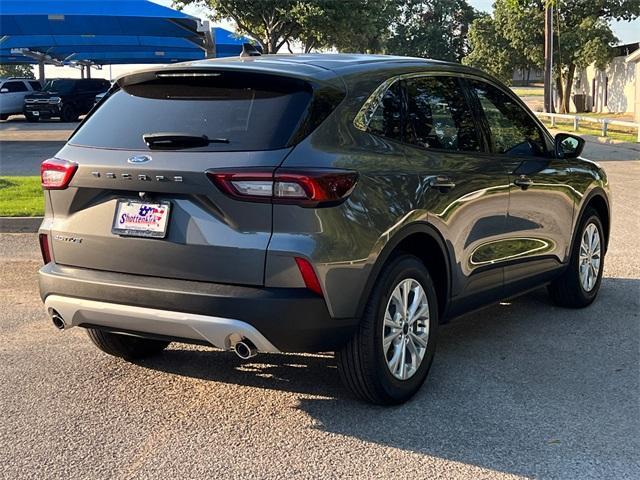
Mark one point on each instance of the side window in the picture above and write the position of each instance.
(36, 86)
(386, 121)
(512, 129)
(15, 86)
(438, 115)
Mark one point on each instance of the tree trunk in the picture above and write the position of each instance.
(559, 91)
(273, 43)
(566, 106)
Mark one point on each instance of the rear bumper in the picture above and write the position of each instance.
(288, 319)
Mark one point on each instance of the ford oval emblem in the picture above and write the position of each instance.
(139, 159)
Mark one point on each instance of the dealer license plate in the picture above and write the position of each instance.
(141, 219)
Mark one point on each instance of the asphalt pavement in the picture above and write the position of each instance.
(522, 389)
(24, 145)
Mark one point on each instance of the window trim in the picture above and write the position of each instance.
(365, 113)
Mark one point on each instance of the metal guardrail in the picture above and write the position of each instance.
(604, 122)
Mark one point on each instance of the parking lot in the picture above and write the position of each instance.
(521, 389)
(24, 145)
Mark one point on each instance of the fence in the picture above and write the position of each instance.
(604, 122)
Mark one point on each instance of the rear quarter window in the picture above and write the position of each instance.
(252, 111)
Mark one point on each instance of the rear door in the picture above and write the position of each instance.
(250, 120)
(465, 190)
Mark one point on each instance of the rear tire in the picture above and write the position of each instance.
(125, 346)
(371, 363)
(572, 289)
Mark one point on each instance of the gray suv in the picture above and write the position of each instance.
(311, 203)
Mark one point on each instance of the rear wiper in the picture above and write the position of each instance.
(175, 141)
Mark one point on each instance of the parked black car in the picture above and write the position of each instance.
(65, 98)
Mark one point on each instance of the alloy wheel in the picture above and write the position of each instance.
(590, 257)
(406, 329)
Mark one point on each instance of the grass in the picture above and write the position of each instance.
(21, 197)
(528, 92)
(614, 132)
(611, 116)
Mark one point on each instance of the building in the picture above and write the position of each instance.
(527, 76)
(614, 89)
(633, 60)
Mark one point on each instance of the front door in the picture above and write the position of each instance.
(540, 216)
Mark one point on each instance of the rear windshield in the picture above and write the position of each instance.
(249, 111)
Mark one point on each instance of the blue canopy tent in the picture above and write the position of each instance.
(112, 49)
(228, 44)
(87, 32)
(98, 32)
(97, 17)
(100, 49)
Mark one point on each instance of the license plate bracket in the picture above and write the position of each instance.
(135, 218)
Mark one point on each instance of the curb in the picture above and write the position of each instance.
(20, 224)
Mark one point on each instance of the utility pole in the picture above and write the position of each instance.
(548, 58)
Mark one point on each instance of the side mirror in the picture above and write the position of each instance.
(4, 90)
(568, 146)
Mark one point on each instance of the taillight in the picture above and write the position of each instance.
(307, 188)
(309, 275)
(55, 174)
(44, 247)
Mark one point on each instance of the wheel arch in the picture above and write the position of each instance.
(425, 242)
(598, 200)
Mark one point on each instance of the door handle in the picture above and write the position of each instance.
(441, 183)
(523, 182)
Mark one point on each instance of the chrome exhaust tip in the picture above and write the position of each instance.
(245, 349)
(57, 320)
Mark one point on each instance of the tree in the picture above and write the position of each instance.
(520, 29)
(269, 22)
(509, 40)
(351, 25)
(490, 51)
(432, 28)
(582, 36)
(358, 25)
(10, 70)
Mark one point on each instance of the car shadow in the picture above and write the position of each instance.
(523, 387)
